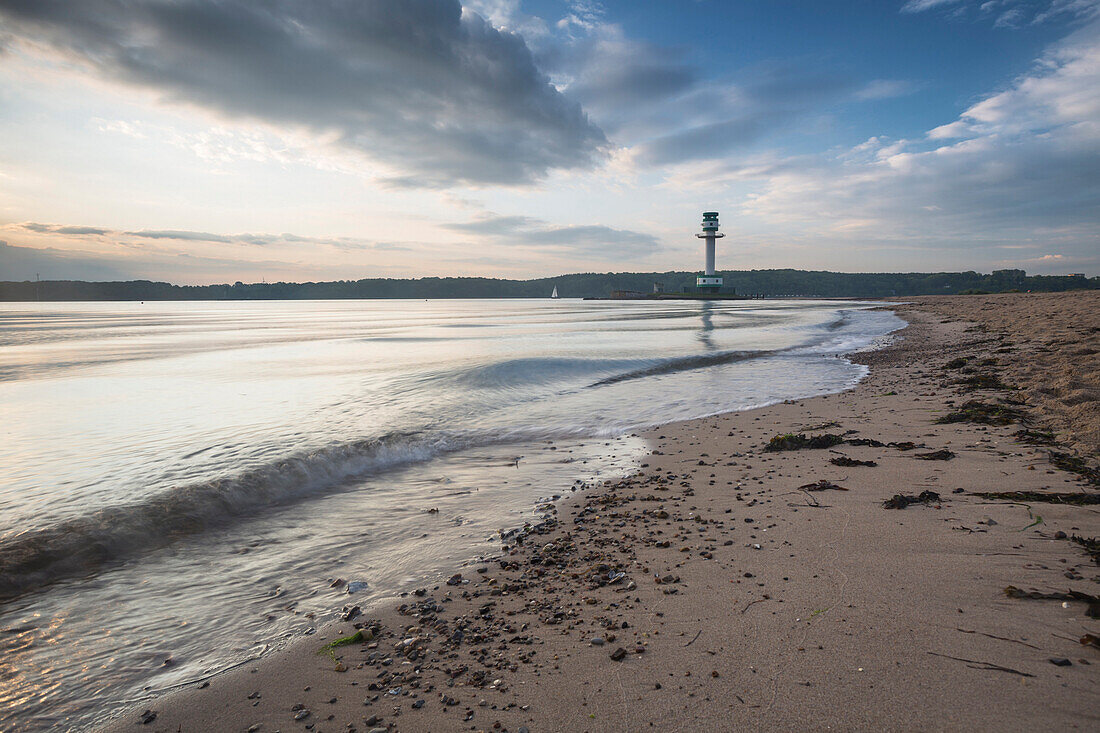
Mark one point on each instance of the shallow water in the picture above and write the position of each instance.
(184, 481)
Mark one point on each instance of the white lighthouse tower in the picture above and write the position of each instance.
(708, 281)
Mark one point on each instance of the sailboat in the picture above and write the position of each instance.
(555, 293)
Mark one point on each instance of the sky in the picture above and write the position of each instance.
(208, 141)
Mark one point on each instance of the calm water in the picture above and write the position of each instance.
(180, 483)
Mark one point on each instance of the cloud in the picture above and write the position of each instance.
(27, 263)
(773, 98)
(1021, 166)
(919, 6)
(32, 226)
(885, 89)
(593, 241)
(1009, 13)
(434, 94)
(123, 237)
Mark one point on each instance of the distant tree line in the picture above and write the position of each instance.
(764, 283)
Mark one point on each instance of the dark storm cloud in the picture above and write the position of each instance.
(592, 240)
(436, 94)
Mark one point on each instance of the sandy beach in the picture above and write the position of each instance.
(760, 571)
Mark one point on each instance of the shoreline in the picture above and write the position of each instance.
(745, 601)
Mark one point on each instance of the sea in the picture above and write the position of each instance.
(186, 486)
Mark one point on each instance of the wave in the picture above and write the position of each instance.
(82, 545)
(538, 370)
(685, 363)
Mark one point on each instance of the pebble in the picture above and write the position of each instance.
(1060, 662)
(148, 717)
(1060, 535)
(618, 654)
(597, 641)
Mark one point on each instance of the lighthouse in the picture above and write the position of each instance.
(708, 281)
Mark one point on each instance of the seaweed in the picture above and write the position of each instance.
(957, 363)
(362, 636)
(984, 413)
(1076, 498)
(870, 442)
(937, 455)
(900, 501)
(822, 485)
(1093, 610)
(905, 445)
(1034, 437)
(792, 441)
(1091, 545)
(847, 462)
(984, 381)
(1075, 464)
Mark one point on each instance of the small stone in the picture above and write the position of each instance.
(597, 641)
(373, 720)
(418, 704)
(1060, 535)
(618, 654)
(1060, 662)
(301, 715)
(148, 717)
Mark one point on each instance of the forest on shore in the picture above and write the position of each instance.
(754, 283)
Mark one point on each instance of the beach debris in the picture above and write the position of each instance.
(350, 613)
(901, 501)
(148, 717)
(355, 586)
(905, 445)
(798, 441)
(1034, 437)
(983, 413)
(1076, 498)
(936, 455)
(1075, 464)
(1092, 611)
(958, 363)
(976, 664)
(984, 381)
(362, 636)
(846, 462)
(1091, 640)
(618, 655)
(869, 442)
(994, 636)
(822, 485)
(1091, 545)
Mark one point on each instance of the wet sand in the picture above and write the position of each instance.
(718, 590)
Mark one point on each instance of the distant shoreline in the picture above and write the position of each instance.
(745, 283)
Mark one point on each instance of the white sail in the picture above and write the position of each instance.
(555, 293)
